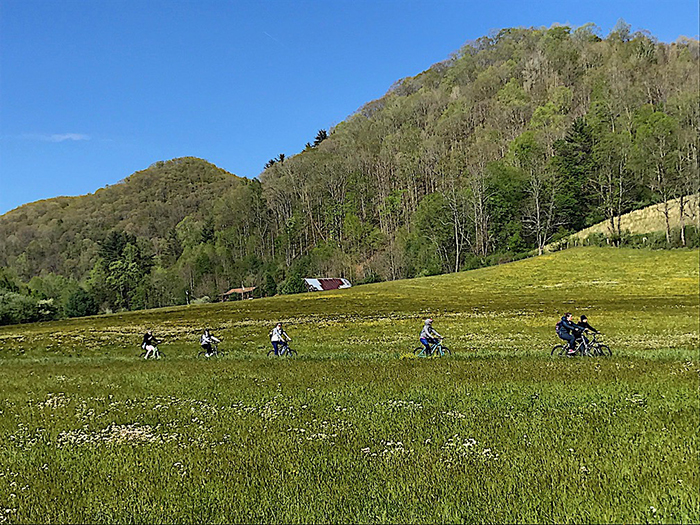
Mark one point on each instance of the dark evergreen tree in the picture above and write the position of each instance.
(320, 137)
(81, 303)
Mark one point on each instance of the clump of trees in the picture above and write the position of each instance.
(40, 300)
(517, 140)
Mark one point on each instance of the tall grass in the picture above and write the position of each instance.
(352, 432)
(650, 219)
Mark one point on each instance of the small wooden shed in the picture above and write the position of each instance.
(245, 292)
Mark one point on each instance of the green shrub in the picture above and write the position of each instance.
(80, 303)
(294, 283)
(17, 308)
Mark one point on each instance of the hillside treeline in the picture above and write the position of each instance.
(519, 139)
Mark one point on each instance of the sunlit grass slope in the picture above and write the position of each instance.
(351, 433)
(650, 219)
(645, 301)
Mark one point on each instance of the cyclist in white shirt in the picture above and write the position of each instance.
(278, 336)
(206, 340)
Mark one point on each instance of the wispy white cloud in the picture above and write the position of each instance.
(57, 137)
(272, 37)
(68, 136)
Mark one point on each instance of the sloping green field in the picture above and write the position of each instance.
(646, 302)
(351, 432)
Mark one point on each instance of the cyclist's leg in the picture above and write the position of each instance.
(274, 345)
(149, 351)
(570, 339)
(427, 344)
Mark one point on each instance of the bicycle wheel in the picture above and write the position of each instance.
(446, 351)
(603, 351)
(271, 353)
(558, 351)
(142, 355)
(290, 352)
(419, 352)
(203, 353)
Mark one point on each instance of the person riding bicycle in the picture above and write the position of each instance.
(567, 330)
(583, 323)
(278, 336)
(150, 344)
(206, 340)
(428, 336)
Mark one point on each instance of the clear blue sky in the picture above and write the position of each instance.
(94, 90)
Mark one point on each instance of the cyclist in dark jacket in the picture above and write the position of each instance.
(583, 323)
(566, 327)
(150, 343)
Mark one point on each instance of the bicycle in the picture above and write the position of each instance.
(597, 349)
(283, 350)
(215, 352)
(436, 350)
(592, 348)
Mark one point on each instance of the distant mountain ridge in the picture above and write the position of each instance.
(62, 234)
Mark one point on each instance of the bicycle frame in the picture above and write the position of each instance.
(283, 349)
(584, 348)
(435, 350)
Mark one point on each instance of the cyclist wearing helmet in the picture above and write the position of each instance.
(277, 336)
(428, 336)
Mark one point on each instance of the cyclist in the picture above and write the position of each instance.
(150, 344)
(565, 327)
(277, 336)
(428, 336)
(583, 323)
(206, 340)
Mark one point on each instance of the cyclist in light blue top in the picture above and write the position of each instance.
(428, 336)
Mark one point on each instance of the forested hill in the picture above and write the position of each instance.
(516, 140)
(63, 235)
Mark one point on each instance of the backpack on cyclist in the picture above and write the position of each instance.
(558, 327)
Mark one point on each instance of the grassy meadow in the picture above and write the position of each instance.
(355, 430)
